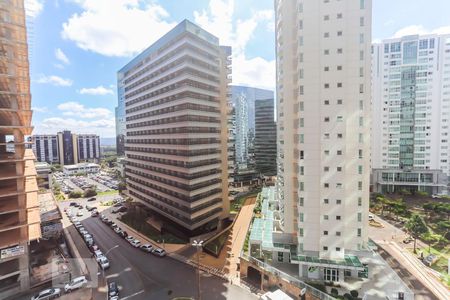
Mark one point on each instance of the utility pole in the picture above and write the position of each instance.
(198, 245)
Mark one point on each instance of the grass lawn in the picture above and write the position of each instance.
(107, 193)
(441, 264)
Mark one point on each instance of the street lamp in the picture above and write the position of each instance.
(103, 270)
(198, 245)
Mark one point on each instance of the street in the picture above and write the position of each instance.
(140, 275)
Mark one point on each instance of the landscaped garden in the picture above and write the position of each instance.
(424, 218)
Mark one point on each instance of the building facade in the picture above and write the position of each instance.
(176, 111)
(66, 148)
(323, 135)
(265, 138)
(120, 118)
(19, 206)
(45, 148)
(88, 147)
(243, 100)
(411, 104)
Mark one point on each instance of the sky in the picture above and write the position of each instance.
(77, 47)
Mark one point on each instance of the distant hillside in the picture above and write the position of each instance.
(108, 141)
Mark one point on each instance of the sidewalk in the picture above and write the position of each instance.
(390, 239)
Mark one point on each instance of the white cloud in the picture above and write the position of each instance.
(420, 29)
(100, 90)
(218, 19)
(42, 109)
(33, 7)
(103, 127)
(54, 80)
(59, 54)
(77, 109)
(97, 28)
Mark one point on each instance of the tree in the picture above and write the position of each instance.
(431, 239)
(90, 193)
(75, 194)
(416, 227)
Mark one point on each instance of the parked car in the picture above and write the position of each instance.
(77, 224)
(79, 214)
(47, 294)
(92, 199)
(408, 240)
(113, 225)
(94, 248)
(76, 283)
(119, 210)
(104, 263)
(83, 231)
(94, 213)
(117, 229)
(135, 243)
(371, 217)
(123, 234)
(73, 204)
(113, 290)
(146, 248)
(129, 238)
(118, 204)
(89, 208)
(159, 252)
(98, 254)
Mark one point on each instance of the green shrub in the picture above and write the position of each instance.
(334, 292)
(354, 293)
(90, 193)
(422, 194)
(75, 194)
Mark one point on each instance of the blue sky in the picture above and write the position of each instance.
(77, 46)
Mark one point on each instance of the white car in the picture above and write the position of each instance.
(104, 262)
(79, 214)
(129, 238)
(77, 224)
(159, 252)
(47, 294)
(146, 248)
(98, 254)
(76, 283)
(135, 243)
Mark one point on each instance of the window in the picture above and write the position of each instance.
(362, 4)
(361, 55)
(326, 102)
(301, 73)
(361, 104)
(338, 249)
(338, 218)
(339, 152)
(330, 274)
(301, 154)
(325, 248)
(300, 40)
(360, 169)
(300, 7)
(326, 17)
(302, 170)
(325, 217)
(326, 136)
(326, 35)
(302, 122)
(326, 152)
(300, 231)
(301, 106)
(360, 153)
(339, 118)
(359, 232)
(339, 135)
(338, 233)
(326, 185)
(338, 201)
(280, 256)
(301, 57)
(339, 68)
(423, 44)
(339, 84)
(339, 169)
(325, 201)
(326, 69)
(360, 185)
(301, 217)
(325, 232)
(359, 201)
(326, 169)
(302, 186)
(431, 43)
(339, 185)
(302, 138)
(301, 200)
(361, 121)
(395, 47)
(339, 16)
(302, 90)
(361, 21)
(339, 101)
(326, 85)
(361, 88)
(361, 72)
(326, 52)
(386, 48)
(326, 119)
(339, 33)
(339, 51)
(359, 217)
(361, 38)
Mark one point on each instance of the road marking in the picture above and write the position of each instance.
(132, 295)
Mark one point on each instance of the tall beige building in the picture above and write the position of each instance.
(19, 207)
(175, 95)
(323, 103)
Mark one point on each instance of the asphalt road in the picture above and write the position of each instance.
(144, 276)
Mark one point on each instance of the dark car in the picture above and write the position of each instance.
(123, 234)
(109, 222)
(117, 205)
(73, 204)
(94, 248)
(92, 199)
(89, 208)
(113, 290)
(119, 209)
